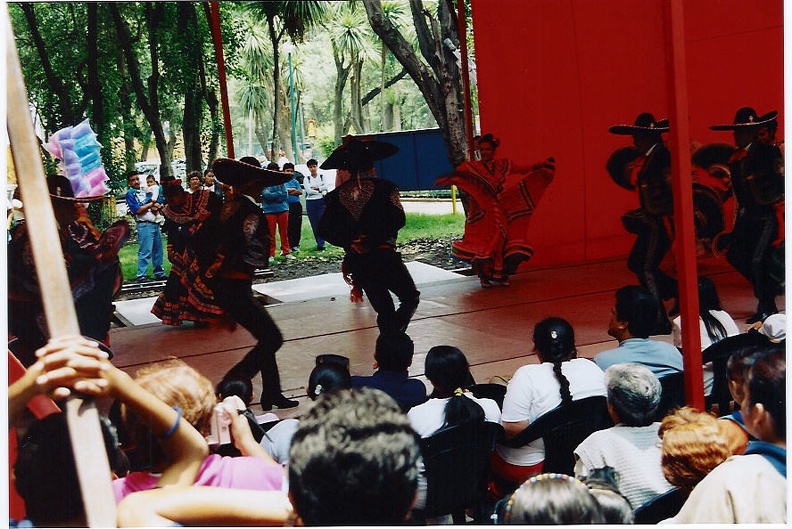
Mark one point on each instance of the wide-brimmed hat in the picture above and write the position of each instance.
(358, 152)
(747, 117)
(711, 154)
(60, 187)
(236, 173)
(617, 164)
(645, 122)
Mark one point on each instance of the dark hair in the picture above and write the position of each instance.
(708, 300)
(273, 166)
(552, 499)
(489, 138)
(195, 174)
(250, 160)
(767, 386)
(208, 170)
(638, 308)
(353, 461)
(327, 377)
(130, 174)
(311, 162)
(448, 370)
(554, 341)
(394, 352)
(45, 472)
(288, 165)
(241, 387)
(603, 483)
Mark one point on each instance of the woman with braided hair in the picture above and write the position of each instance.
(536, 389)
(448, 370)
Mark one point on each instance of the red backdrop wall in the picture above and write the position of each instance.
(553, 75)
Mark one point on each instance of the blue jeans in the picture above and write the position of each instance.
(315, 208)
(150, 249)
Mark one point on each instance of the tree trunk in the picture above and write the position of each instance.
(149, 103)
(342, 74)
(65, 105)
(355, 108)
(94, 86)
(440, 88)
(193, 100)
(217, 125)
(129, 128)
(274, 38)
(260, 130)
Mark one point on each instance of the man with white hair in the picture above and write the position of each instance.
(631, 446)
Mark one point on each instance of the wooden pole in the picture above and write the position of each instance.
(217, 38)
(93, 469)
(682, 184)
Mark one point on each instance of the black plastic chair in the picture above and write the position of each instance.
(457, 469)
(719, 353)
(665, 506)
(563, 429)
(496, 392)
(673, 393)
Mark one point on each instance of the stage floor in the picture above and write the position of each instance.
(491, 326)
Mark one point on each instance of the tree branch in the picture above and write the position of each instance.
(375, 92)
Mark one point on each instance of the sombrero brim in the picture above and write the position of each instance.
(760, 120)
(617, 163)
(629, 130)
(377, 150)
(235, 173)
(713, 153)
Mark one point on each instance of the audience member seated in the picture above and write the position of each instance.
(631, 446)
(774, 328)
(750, 488)
(324, 378)
(45, 471)
(536, 389)
(603, 483)
(364, 426)
(447, 369)
(692, 446)
(393, 355)
(177, 384)
(241, 388)
(552, 499)
(715, 324)
(632, 319)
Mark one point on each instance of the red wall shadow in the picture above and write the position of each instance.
(553, 75)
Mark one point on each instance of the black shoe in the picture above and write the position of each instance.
(280, 402)
(161, 278)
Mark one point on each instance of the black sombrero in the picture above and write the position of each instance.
(713, 153)
(236, 173)
(747, 117)
(645, 122)
(617, 163)
(358, 152)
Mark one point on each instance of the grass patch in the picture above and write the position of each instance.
(418, 226)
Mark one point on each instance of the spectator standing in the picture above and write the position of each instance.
(316, 187)
(294, 191)
(149, 234)
(275, 205)
(632, 319)
(212, 185)
(194, 182)
(393, 355)
(631, 446)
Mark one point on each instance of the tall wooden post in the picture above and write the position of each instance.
(682, 184)
(93, 469)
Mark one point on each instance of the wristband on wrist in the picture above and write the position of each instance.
(173, 428)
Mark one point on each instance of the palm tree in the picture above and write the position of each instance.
(255, 93)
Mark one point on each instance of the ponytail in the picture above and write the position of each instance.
(460, 409)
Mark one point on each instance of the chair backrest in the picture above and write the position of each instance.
(457, 465)
(563, 429)
(660, 508)
(673, 395)
(496, 392)
(719, 353)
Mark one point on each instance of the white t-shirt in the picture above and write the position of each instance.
(534, 390)
(731, 330)
(429, 417)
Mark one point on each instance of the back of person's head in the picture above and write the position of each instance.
(554, 341)
(252, 160)
(176, 384)
(740, 361)
(447, 369)
(708, 300)
(394, 352)
(328, 377)
(693, 445)
(603, 483)
(288, 165)
(552, 499)
(241, 387)
(273, 166)
(634, 392)
(353, 461)
(358, 157)
(638, 308)
(766, 386)
(45, 473)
